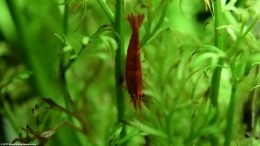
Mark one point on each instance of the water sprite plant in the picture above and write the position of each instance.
(200, 78)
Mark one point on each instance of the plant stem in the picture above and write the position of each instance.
(63, 69)
(218, 22)
(65, 17)
(230, 116)
(215, 80)
(241, 36)
(156, 28)
(150, 34)
(11, 117)
(20, 34)
(62, 66)
(118, 62)
(106, 9)
(12, 8)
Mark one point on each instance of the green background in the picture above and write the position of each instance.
(62, 72)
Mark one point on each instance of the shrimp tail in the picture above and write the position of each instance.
(135, 21)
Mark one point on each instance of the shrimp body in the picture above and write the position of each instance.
(133, 71)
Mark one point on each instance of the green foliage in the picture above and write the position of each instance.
(62, 65)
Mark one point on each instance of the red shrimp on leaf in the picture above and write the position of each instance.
(133, 71)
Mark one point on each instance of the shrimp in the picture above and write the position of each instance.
(133, 71)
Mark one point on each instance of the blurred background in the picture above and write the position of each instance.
(58, 84)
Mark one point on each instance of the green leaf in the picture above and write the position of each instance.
(240, 69)
(207, 52)
(254, 58)
(67, 48)
(23, 75)
(147, 130)
(85, 40)
(129, 136)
